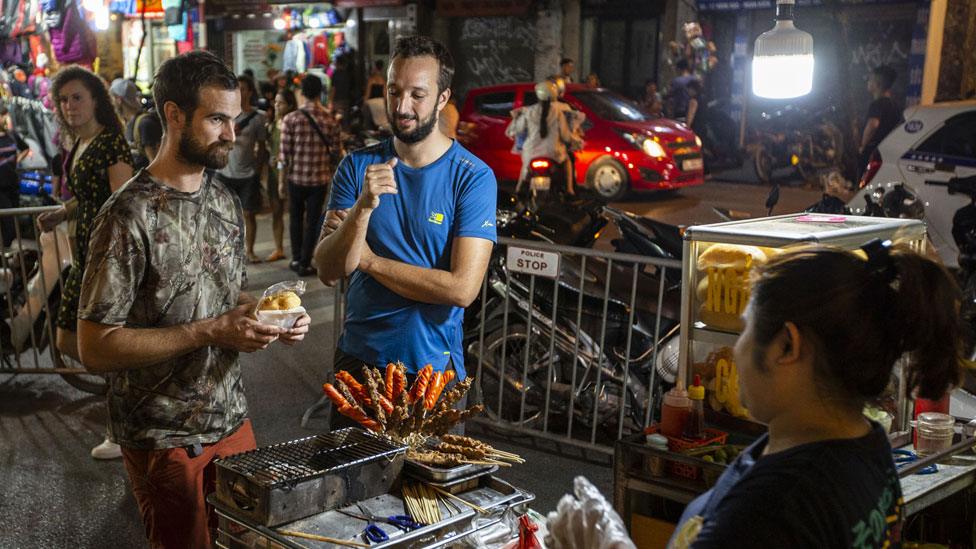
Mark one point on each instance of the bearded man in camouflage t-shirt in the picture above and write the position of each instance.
(162, 309)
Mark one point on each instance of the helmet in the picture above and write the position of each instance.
(546, 91)
(560, 85)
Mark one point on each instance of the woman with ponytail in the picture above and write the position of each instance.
(543, 131)
(823, 330)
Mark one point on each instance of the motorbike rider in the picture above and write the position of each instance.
(540, 130)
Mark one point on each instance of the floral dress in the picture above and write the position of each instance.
(88, 182)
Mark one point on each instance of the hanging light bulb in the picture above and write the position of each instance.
(782, 64)
(279, 24)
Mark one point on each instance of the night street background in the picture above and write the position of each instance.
(55, 495)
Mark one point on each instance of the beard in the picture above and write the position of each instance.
(422, 131)
(214, 157)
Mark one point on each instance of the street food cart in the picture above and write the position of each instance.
(308, 493)
(404, 478)
(652, 485)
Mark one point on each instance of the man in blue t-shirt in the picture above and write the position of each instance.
(412, 221)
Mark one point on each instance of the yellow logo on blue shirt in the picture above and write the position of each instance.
(436, 218)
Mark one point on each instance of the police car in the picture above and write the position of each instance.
(934, 144)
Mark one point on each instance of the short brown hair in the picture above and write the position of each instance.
(180, 79)
(418, 46)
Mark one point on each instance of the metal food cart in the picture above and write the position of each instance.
(703, 338)
(293, 495)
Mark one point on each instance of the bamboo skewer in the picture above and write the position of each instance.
(443, 492)
(486, 462)
(325, 539)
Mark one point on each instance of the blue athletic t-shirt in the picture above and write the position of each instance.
(452, 197)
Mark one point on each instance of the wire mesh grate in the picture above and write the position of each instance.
(310, 457)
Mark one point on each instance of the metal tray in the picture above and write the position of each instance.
(492, 493)
(463, 484)
(440, 475)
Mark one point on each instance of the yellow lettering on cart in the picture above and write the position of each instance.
(731, 291)
(714, 291)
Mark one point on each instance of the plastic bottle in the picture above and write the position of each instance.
(674, 411)
(654, 464)
(695, 427)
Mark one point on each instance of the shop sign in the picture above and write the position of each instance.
(482, 8)
(533, 262)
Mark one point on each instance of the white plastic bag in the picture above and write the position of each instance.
(586, 521)
(281, 318)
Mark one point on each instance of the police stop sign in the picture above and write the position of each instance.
(534, 262)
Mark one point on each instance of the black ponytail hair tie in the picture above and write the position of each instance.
(880, 263)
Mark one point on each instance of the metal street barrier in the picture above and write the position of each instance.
(563, 341)
(33, 265)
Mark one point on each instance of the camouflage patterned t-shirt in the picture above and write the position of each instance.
(161, 257)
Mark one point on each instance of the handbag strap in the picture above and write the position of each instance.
(317, 129)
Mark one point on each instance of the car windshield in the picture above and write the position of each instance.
(611, 107)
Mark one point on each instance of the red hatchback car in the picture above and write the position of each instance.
(625, 148)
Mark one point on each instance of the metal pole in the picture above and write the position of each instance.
(601, 352)
(626, 366)
(579, 318)
(502, 366)
(552, 348)
(657, 330)
(528, 348)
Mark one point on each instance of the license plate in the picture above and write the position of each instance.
(539, 183)
(692, 164)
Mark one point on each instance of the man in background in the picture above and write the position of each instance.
(567, 68)
(243, 171)
(309, 140)
(884, 114)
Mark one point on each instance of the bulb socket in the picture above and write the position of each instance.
(784, 11)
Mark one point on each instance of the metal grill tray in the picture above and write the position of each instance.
(291, 480)
(425, 472)
(492, 493)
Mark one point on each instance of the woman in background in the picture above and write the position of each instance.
(284, 103)
(98, 163)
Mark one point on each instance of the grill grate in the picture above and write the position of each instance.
(309, 457)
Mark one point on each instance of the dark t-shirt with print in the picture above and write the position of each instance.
(162, 257)
(835, 493)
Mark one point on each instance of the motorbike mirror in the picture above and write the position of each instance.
(772, 199)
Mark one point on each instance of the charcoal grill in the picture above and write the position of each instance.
(293, 480)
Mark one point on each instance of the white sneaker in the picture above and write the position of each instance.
(107, 450)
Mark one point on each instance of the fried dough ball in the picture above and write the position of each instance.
(280, 302)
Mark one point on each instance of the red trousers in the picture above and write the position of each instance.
(171, 489)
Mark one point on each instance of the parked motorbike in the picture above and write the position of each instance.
(575, 359)
(719, 136)
(793, 136)
(30, 298)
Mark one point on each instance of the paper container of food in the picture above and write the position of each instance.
(283, 319)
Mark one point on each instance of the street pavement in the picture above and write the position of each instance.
(53, 494)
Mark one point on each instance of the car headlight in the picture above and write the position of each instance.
(698, 141)
(650, 147)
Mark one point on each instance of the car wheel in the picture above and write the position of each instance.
(608, 179)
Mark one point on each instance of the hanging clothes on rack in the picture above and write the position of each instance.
(73, 42)
(296, 56)
(321, 56)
